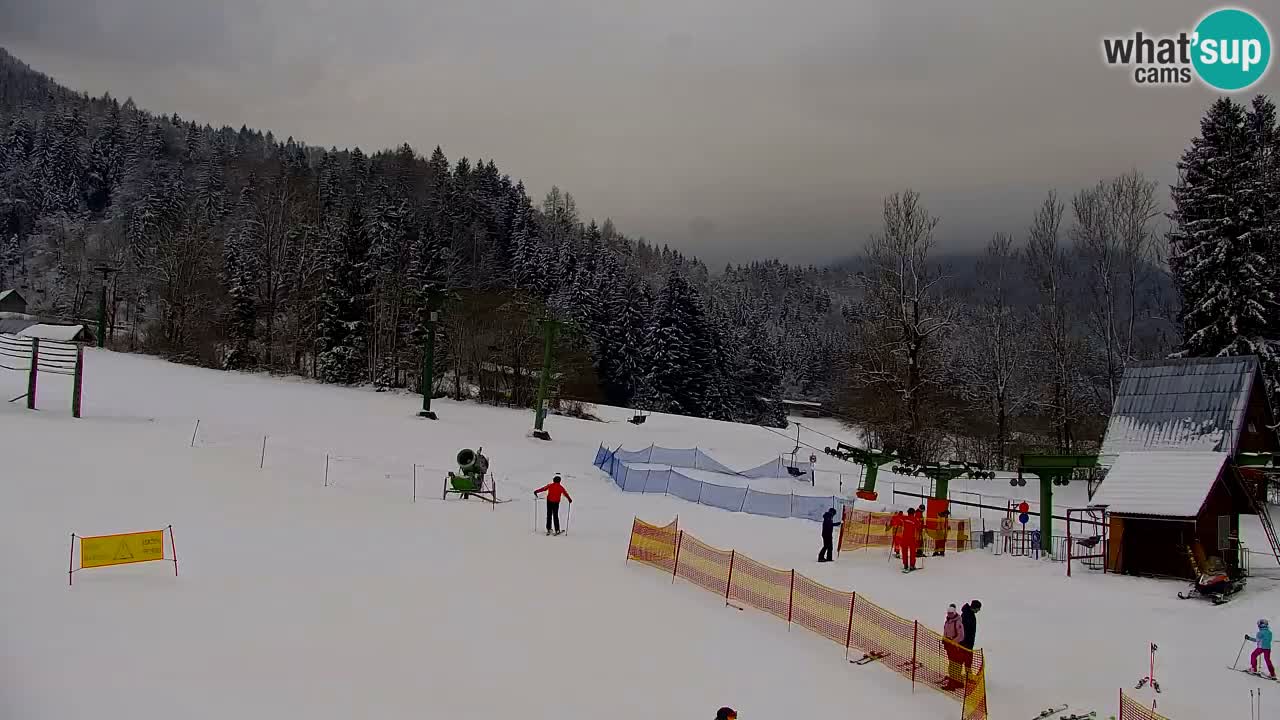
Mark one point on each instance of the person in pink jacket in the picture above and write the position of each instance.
(953, 631)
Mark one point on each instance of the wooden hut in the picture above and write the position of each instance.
(1171, 511)
(1171, 486)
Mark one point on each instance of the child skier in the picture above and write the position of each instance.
(1264, 649)
(920, 518)
(941, 532)
(554, 492)
(953, 631)
(828, 529)
(894, 527)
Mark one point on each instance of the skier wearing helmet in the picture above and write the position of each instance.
(555, 492)
(1263, 650)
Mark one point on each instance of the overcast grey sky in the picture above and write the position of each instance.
(734, 129)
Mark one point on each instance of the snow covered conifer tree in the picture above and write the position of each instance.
(343, 329)
(669, 351)
(1218, 247)
(240, 275)
(10, 259)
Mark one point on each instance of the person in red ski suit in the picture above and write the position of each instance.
(910, 535)
(555, 491)
(895, 528)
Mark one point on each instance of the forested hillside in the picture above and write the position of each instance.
(240, 250)
(235, 249)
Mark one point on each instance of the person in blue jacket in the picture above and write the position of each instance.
(828, 531)
(1263, 650)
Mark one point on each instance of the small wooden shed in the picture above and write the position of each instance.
(1171, 485)
(1171, 511)
(12, 302)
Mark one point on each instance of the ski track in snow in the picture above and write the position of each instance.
(300, 600)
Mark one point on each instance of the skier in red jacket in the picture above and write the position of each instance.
(554, 492)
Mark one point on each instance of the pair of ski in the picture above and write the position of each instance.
(1050, 712)
(869, 658)
(875, 656)
(1256, 674)
(558, 532)
(1144, 681)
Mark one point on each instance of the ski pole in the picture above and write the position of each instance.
(567, 512)
(535, 512)
(1237, 662)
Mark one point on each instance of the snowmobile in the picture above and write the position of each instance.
(1217, 587)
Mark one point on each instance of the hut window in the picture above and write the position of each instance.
(1224, 532)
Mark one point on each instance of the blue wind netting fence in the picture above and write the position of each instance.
(670, 481)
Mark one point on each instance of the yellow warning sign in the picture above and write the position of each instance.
(121, 549)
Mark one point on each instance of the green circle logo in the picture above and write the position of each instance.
(1232, 49)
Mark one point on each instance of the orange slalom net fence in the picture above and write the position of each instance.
(846, 618)
(1131, 709)
(862, 529)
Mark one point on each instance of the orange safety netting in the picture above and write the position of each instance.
(850, 620)
(653, 545)
(864, 529)
(975, 695)
(1131, 709)
(761, 586)
(703, 565)
(822, 609)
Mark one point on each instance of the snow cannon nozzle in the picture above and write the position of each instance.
(472, 463)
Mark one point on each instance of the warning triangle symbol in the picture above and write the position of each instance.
(123, 552)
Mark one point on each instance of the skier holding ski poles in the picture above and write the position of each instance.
(555, 491)
(1263, 650)
(894, 526)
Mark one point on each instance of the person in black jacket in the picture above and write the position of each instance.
(828, 529)
(969, 621)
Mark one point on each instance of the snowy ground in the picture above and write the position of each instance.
(352, 600)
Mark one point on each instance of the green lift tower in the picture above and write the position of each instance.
(870, 459)
(1052, 470)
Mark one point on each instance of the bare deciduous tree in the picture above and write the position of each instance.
(990, 360)
(1113, 234)
(1059, 350)
(904, 316)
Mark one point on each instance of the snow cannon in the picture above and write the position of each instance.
(472, 463)
(470, 481)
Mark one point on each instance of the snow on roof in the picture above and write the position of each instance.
(1168, 483)
(61, 333)
(1188, 404)
(6, 293)
(13, 326)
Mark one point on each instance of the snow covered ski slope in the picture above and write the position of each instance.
(313, 595)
